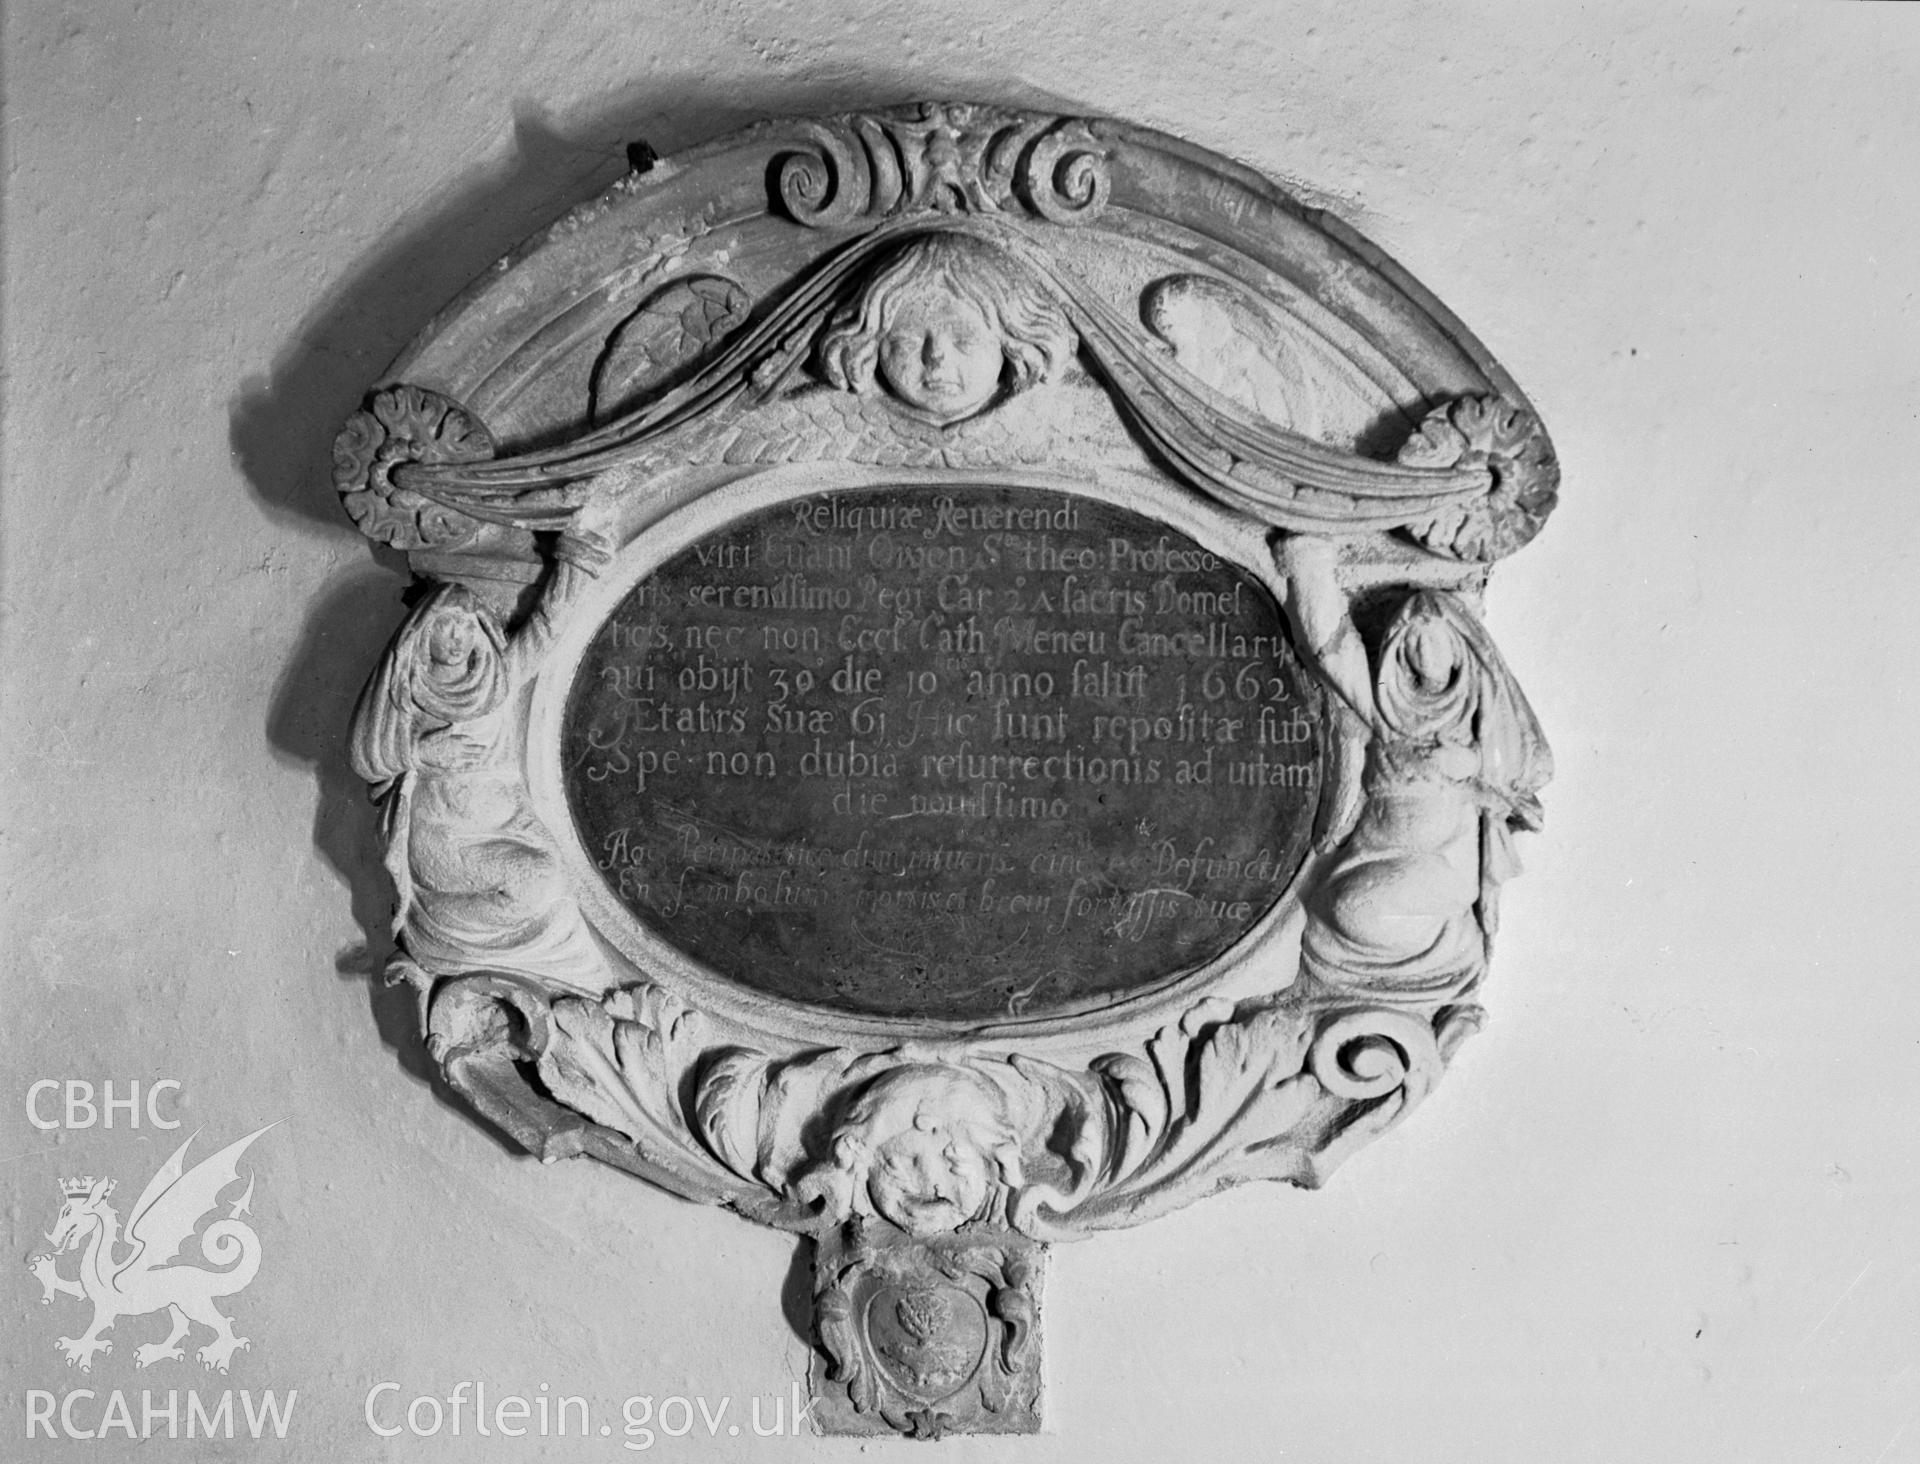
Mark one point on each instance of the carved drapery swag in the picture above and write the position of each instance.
(1166, 333)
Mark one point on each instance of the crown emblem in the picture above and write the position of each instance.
(77, 1188)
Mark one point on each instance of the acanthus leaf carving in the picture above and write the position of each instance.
(926, 1148)
(730, 1100)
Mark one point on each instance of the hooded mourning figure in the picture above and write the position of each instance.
(479, 884)
(1456, 766)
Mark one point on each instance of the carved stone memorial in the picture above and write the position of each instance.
(947, 707)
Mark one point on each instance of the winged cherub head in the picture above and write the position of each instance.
(945, 323)
(925, 1147)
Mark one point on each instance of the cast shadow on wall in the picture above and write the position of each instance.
(281, 426)
(282, 423)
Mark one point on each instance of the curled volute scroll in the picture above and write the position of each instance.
(945, 157)
(960, 295)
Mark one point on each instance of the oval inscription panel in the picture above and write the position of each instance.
(953, 754)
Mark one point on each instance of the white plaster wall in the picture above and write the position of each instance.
(1664, 1208)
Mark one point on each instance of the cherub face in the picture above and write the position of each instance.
(927, 1182)
(940, 355)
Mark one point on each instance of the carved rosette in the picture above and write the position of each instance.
(405, 424)
(1509, 442)
(931, 1163)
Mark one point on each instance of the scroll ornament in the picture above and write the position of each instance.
(940, 1143)
(945, 157)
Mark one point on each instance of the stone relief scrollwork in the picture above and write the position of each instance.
(921, 1339)
(945, 158)
(926, 1146)
(967, 295)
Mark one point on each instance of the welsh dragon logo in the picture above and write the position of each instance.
(131, 1275)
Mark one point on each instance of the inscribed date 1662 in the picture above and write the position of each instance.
(953, 754)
